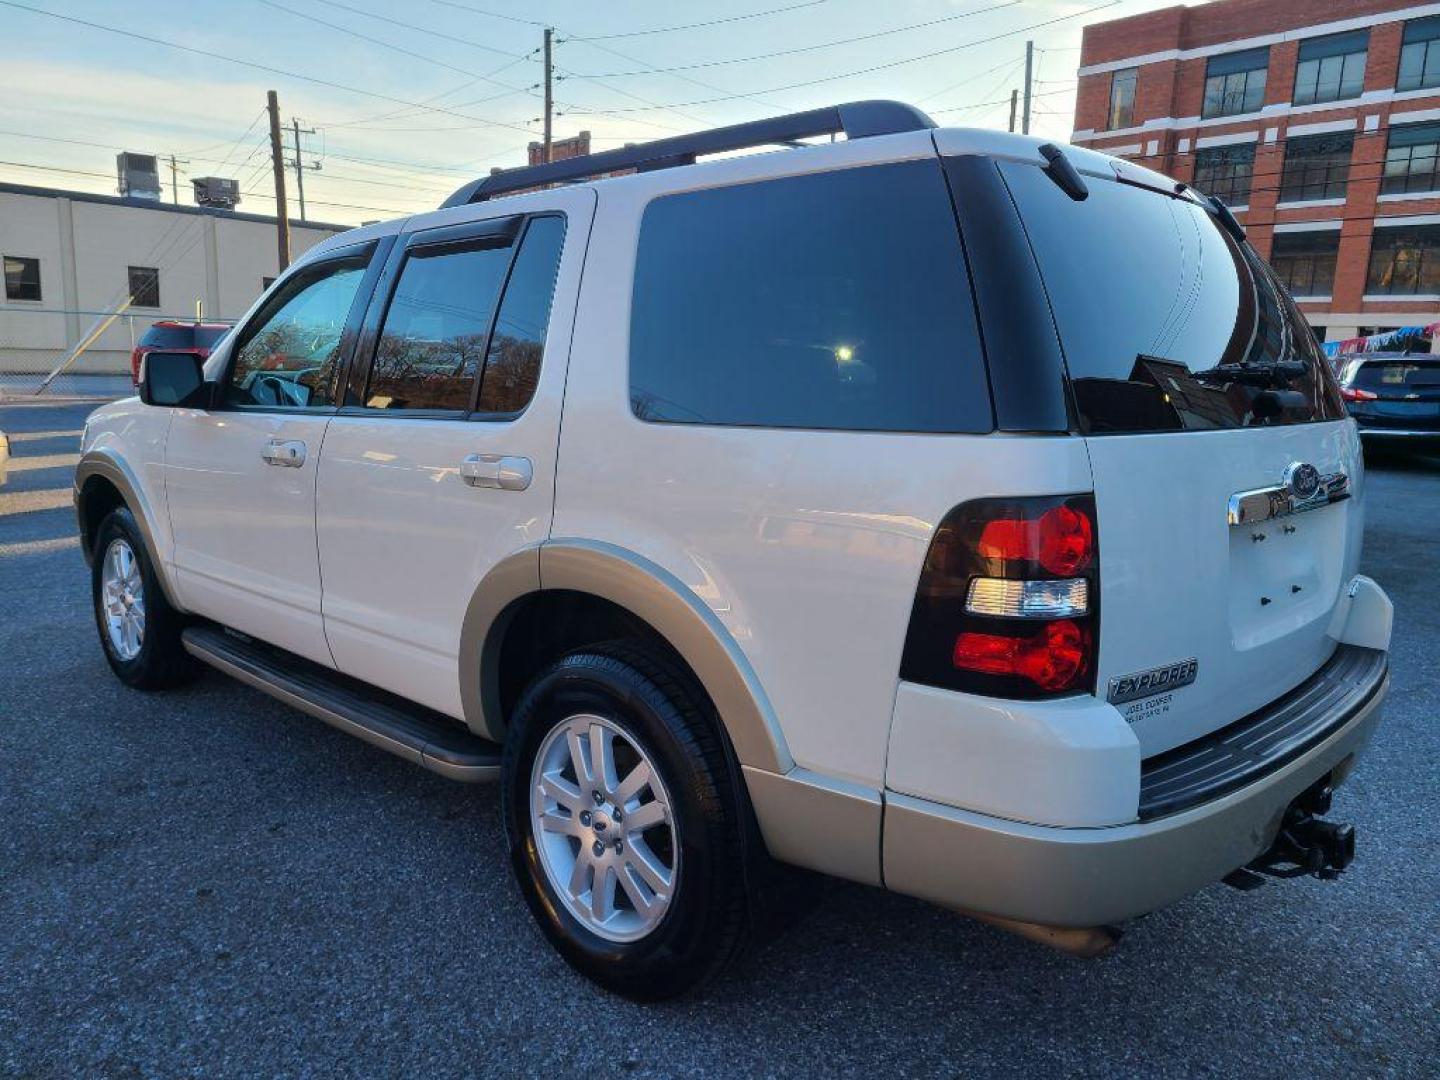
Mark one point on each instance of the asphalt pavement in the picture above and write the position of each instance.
(207, 883)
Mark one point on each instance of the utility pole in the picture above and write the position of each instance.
(175, 184)
(549, 101)
(1014, 100)
(1029, 71)
(298, 163)
(277, 160)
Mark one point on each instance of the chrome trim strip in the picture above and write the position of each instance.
(1264, 504)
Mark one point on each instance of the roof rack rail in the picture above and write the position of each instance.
(857, 120)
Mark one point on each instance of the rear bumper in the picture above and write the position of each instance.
(1091, 876)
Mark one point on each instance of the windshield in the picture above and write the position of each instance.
(1167, 323)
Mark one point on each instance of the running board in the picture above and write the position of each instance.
(413, 732)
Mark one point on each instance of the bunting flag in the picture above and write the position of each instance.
(1378, 342)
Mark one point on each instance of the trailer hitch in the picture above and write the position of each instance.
(1305, 844)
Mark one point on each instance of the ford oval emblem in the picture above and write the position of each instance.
(1303, 480)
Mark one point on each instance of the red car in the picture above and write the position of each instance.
(170, 336)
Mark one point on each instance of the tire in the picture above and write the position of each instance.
(638, 697)
(158, 659)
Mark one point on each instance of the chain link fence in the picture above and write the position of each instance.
(62, 352)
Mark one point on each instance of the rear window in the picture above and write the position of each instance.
(837, 300)
(169, 337)
(1407, 374)
(1167, 324)
(206, 337)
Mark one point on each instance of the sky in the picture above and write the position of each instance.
(408, 101)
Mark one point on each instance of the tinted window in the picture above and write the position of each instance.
(169, 337)
(289, 353)
(144, 283)
(512, 364)
(1399, 376)
(433, 340)
(22, 278)
(1150, 297)
(206, 337)
(838, 300)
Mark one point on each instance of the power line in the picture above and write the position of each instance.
(702, 25)
(881, 67)
(262, 67)
(798, 49)
(490, 14)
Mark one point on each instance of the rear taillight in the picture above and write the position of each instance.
(1008, 600)
(135, 357)
(1350, 393)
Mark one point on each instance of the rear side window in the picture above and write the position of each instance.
(433, 342)
(1167, 324)
(838, 300)
(512, 363)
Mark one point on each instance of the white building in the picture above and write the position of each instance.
(71, 258)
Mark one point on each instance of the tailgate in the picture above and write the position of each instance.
(1249, 603)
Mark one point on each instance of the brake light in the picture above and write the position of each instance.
(136, 356)
(1350, 393)
(1007, 601)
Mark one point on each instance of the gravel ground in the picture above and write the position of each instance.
(208, 883)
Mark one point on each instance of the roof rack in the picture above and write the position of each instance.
(856, 120)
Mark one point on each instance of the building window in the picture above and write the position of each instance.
(1410, 159)
(1405, 261)
(1122, 98)
(1225, 172)
(1235, 83)
(1420, 55)
(22, 278)
(144, 286)
(1305, 261)
(1331, 67)
(1316, 167)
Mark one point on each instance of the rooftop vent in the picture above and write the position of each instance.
(139, 176)
(217, 191)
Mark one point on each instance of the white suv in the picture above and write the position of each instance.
(935, 509)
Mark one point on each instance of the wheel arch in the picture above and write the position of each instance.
(634, 588)
(104, 481)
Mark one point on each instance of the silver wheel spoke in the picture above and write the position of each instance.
(602, 757)
(578, 759)
(643, 901)
(559, 821)
(562, 791)
(602, 893)
(580, 874)
(645, 817)
(636, 781)
(650, 869)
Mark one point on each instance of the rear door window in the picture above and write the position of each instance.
(1167, 324)
(512, 362)
(432, 345)
(838, 300)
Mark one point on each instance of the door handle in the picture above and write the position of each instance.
(287, 453)
(497, 471)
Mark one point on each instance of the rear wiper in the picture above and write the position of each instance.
(1273, 373)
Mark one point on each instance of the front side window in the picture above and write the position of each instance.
(1412, 159)
(289, 355)
(1316, 167)
(1420, 55)
(512, 362)
(144, 286)
(1235, 83)
(1331, 68)
(1405, 261)
(1158, 310)
(838, 300)
(1226, 172)
(1305, 261)
(433, 342)
(22, 278)
(1122, 98)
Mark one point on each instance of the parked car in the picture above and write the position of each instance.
(1392, 396)
(943, 510)
(199, 338)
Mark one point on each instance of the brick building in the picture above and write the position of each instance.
(1319, 123)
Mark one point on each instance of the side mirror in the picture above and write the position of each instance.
(174, 378)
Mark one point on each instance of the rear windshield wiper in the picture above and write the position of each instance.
(1273, 373)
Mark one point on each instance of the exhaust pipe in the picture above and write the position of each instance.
(1086, 942)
